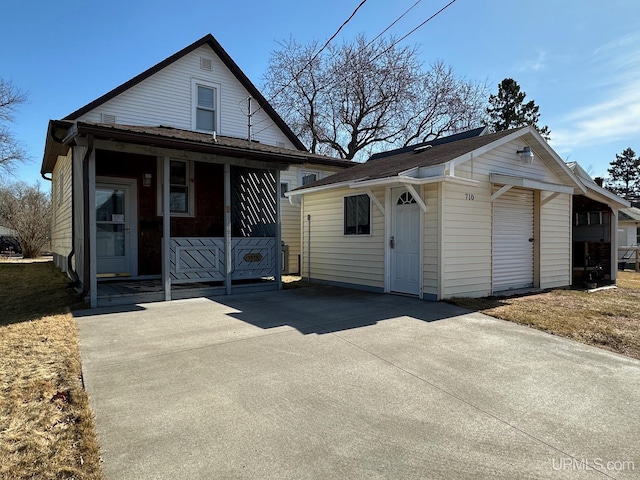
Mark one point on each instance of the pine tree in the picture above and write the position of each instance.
(508, 110)
(625, 175)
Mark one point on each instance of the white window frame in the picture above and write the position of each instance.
(190, 189)
(304, 172)
(344, 216)
(282, 191)
(195, 83)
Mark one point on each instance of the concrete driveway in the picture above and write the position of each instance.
(326, 383)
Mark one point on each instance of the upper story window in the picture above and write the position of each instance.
(309, 176)
(205, 106)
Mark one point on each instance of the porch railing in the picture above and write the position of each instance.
(202, 259)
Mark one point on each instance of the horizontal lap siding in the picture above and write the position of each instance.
(467, 239)
(555, 241)
(355, 259)
(165, 99)
(290, 220)
(431, 251)
(61, 225)
(291, 226)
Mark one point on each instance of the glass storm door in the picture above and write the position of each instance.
(113, 230)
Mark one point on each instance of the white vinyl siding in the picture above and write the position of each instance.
(466, 260)
(351, 259)
(467, 237)
(555, 241)
(166, 98)
(431, 239)
(61, 231)
(291, 214)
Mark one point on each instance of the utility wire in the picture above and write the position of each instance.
(319, 51)
(374, 58)
(393, 23)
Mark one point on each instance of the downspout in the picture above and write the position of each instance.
(74, 276)
(309, 250)
(86, 237)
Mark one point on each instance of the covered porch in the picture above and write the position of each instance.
(220, 234)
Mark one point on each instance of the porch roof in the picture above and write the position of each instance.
(63, 132)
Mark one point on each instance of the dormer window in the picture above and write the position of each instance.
(205, 106)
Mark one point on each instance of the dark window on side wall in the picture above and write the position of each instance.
(357, 215)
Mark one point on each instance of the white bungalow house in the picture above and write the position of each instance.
(471, 217)
(163, 182)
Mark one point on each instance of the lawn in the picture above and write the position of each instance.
(608, 318)
(46, 425)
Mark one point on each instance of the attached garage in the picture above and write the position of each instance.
(470, 215)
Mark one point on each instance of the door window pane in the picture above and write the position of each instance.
(109, 203)
(110, 240)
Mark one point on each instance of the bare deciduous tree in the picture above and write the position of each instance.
(361, 96)
(27, 210)
(10, 149)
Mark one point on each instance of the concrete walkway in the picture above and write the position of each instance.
(326, 383)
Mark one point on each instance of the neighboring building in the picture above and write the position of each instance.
(175, 135)
(629, 227)
(472, 217)
(629, 237)
(9, 243)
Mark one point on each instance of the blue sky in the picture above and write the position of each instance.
(579, 60)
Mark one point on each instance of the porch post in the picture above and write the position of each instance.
(93, 261)
(227, 228)
(166, 228)
(278, 251)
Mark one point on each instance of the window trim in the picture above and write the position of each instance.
(191, 211)
(195, 83)
(304, 172)
(288, 184)
(344, 216)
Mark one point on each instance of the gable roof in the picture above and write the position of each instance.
(595, 191)
(631, 214)
(475, 132)
(226, 59)
(430, 163)
(393, 165)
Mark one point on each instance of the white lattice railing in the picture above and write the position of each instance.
(198, 259)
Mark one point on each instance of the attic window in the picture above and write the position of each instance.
(108, 118)
(206, 64)
(206, 114)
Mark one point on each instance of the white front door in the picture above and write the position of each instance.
(513, 214)
(116, 228)
(405, 243)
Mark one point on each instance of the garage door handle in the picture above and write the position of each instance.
(531, 239)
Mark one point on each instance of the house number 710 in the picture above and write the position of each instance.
(469, 196)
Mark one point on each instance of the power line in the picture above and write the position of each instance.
(425, 22)
(393, 23)
(319, 51)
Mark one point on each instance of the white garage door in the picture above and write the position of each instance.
(513, 240)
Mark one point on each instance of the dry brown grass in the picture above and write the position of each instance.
(609, 319)
(46, 425)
